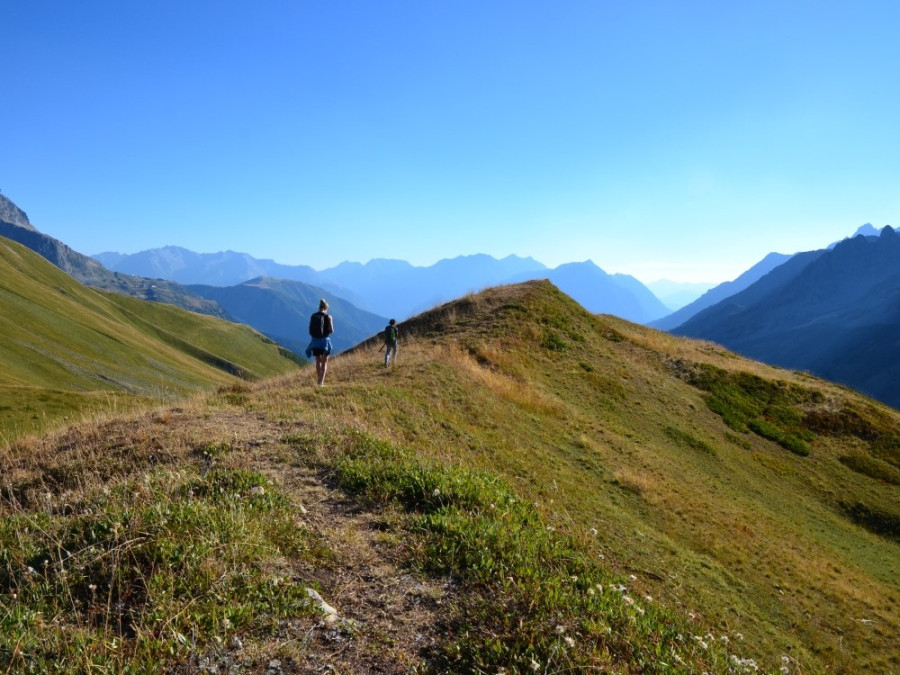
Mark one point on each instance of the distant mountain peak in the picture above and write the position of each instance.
(12, 214)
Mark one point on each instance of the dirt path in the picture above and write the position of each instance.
(387, 617)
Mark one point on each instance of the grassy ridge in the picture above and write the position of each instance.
(600, 495)
(608, 426)
(68, 348)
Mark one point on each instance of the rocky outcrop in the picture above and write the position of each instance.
(13, 215)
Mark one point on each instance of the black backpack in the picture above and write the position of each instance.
(318, 325)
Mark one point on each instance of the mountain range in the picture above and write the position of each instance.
(396, 288)
(721, 292)
(756, 314)
(274, 310)
(834, 312)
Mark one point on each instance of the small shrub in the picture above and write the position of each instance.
(738, 440)
(795, 444)
(871, 467)
(765, 429)
(552, 342)
(876, 520)
(688, 440)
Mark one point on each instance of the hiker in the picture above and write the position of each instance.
(321, 326)
(391, 334)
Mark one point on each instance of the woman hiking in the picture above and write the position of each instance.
(321, 326)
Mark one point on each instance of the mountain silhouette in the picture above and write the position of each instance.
(226, 268)
(834, 312)
(721, 292)
(396, 288)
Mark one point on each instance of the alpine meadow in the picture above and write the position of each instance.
(532, 488)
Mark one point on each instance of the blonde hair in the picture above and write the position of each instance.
(323, 306)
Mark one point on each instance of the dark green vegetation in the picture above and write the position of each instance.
(68, 350)
(576, 492)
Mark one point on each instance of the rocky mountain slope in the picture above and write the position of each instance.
(88, 271)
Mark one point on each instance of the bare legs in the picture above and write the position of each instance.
(321, 368)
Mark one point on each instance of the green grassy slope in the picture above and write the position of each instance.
(67, 348)
(588, 494)
(763, 500)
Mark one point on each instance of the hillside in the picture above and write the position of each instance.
(531, 489)
(831, 312)
(14, 225)
(68, 349)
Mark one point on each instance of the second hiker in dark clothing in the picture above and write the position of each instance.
(391, 335)
(321, 326)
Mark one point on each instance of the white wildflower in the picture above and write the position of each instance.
(648, 598)
(535, 666)
(628, 600)
(593, 531)
(599, 588)
(257, 491)
(632, 577)
(570, 642)
(560, 628)
(591, 591)
(436, 493)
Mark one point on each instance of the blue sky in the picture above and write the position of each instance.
(676, 140)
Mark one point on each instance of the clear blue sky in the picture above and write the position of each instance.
(678, 139)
